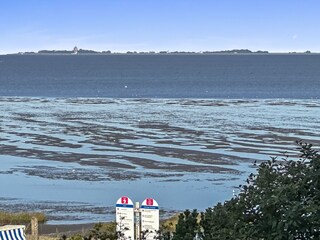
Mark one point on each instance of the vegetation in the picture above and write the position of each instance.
(103, 231)
(281, 201)
(188, 226)
(107, 231)
(20, 218)
(88, 51)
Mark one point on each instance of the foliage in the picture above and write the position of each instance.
(167, 227)
(224, 221)
(74, 237)
(187, 226)
(169, 224)
(100, 231)
(282, 201)
(20, 218)
(103, 232)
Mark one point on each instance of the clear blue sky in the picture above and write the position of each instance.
(144, 25)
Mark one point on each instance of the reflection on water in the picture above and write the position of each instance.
(72, 158)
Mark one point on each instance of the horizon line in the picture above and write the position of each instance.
(76, 50)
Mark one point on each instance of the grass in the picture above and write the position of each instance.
(20, 218)
(170, 223)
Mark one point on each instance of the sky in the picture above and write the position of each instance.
(159, 25)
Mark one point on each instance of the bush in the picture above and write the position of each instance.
(281, 201)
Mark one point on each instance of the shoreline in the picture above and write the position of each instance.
(159, 54)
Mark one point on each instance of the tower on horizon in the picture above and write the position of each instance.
(75, 50)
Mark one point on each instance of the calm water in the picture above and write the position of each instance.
(77, 132)
(157, 76)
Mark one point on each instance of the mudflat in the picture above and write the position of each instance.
(77, 155)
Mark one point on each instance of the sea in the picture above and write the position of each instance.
(79, 131)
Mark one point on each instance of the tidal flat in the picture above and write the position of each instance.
(72, 158)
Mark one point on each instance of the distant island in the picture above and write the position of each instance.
(76, 50)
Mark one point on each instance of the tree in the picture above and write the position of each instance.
(103, 232)
(224, 221)
(281, 201)
(188, 225)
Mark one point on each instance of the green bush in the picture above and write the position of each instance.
(281, 201)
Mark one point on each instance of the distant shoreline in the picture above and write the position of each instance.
(155, 54)
(77, 51)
